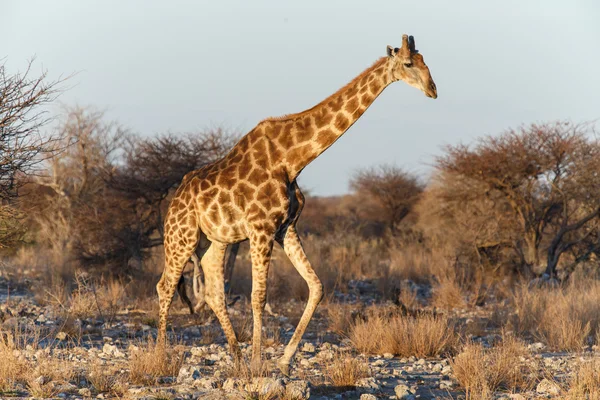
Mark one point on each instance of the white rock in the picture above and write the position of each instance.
(297, 390)
(188, 374)
(229, 384)
(61, 335)
(547, 387)
(403, 392)
(308, 347)
(367, 396)
(388, 355)
(368, 384)
(446, 384)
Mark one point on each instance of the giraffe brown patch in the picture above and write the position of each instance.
(244, 170)
(266, 194)
(352, 92)
(322, 118)
(366, 99)
(375, 86)
(236, 158)
(336, 104)
(257, 176)
(326, 137)
(306, 131)
(195, 185)
(300, 154)
(242, 145)
(204, 185)
(287, 138)
(259, 147)
(245, 190)
(212, 177)
(352, 104)
(227, 178)
(273, 130)
(274, 152)
(256, 212)
(341, 122)
(224, 197)
(262, 161)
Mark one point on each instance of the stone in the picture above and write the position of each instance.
(61, 335)
(229, 384)
(446, 384)
(297, 390)
(388, 355)
(368, 384)
(367, 396)
(403, 392)
(188, 374)
(265, 387)
(308, 347)
(547, 387)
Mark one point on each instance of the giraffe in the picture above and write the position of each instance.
(252, 194)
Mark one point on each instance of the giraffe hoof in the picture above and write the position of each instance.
(284, 368)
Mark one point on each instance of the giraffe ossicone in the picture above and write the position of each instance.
(252, 194)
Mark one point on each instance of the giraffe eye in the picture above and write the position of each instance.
(408, 65)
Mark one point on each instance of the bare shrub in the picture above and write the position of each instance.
(421, 336)
(103, 378)
(562, 318)
(585, 381)
(390, 193)
(344, 370)
(12, 367)
(448, 294)
(340, 317)
(149, 362)
(482, 371)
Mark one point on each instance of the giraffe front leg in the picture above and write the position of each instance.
(214, 282)
(261, 246)
(293, 249)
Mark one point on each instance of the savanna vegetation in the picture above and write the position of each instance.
(506, 228)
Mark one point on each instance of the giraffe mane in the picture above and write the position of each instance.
(353, 82)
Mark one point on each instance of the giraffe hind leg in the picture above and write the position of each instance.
(183, 294)
(180, 243)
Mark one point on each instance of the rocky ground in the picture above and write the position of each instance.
(109, 345)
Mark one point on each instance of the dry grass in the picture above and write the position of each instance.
(340, 318)
(103, 378)
(482, 371)
(562, 318)
(420, 336)
(448, 294)
(12, 367)
(149, 362)
(344, 370)
(585, 383)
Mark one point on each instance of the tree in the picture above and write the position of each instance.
(392, 191)
(548, 176)
(106, 194)
(22, 145)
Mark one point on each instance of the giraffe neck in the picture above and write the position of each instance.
(304, 136)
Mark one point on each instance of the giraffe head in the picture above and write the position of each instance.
(407, 64)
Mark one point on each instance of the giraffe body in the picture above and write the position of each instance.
(252, 194)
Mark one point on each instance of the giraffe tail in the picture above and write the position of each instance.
(183, 295)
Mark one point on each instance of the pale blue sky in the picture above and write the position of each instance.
(183, 65)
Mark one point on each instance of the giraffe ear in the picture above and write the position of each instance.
(391, 51)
